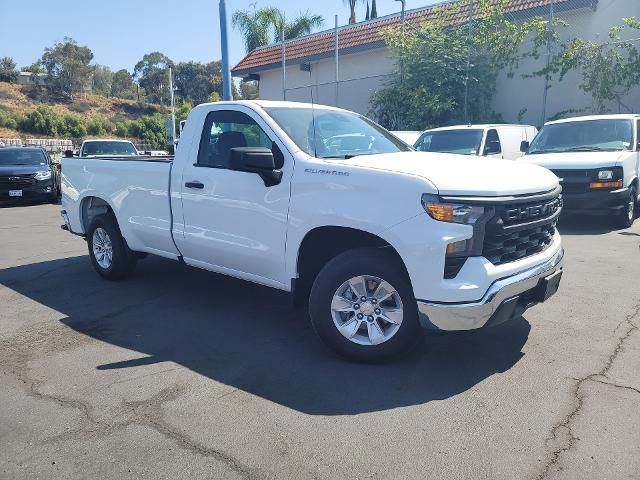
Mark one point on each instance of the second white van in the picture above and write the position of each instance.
(495, 141)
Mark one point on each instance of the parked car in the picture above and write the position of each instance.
(106, 147)
(496, 141)
(408, 136)
(377, 240)
(28, 173)
(597, 159)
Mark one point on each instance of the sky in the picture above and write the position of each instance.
(120, 32)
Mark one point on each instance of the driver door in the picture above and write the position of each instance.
(233, 223)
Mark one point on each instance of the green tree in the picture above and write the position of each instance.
(33, 68)
(352, 10)
(609, 69)
(195, 81)
(262, 26)
(8, 72)
(152, 73)
(101, 80)
(122, 85)
(73, 126)
(431, 89)
(67, 67)
(248, 90)
(43, 120)
(374, 10)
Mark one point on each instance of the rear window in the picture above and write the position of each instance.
(464, 142)
(108, 148)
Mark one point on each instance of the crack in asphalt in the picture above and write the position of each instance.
(146, 413)
(565, 426)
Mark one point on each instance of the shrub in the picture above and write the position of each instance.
(74, 126)
(8, 120)
(99, 126)
(121, 129)
(43, 120)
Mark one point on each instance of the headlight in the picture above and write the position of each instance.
(46, 175)
(451, 212)
(605, 175)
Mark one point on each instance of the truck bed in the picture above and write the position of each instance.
(136, 189)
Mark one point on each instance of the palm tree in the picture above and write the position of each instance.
(352, 10)
(265, 25)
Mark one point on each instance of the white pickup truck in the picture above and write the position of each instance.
(597, 159)
(331, 207)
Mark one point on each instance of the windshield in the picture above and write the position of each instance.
(464, 142)
(338, 134)
(108, 148)
(587, 135)
(22, 157)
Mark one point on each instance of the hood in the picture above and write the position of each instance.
(22, 169)
(464, 175)
(569, 160)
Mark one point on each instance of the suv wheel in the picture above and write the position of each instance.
(108, 250)
(362, 305)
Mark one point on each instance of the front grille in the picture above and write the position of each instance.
(574, 181)
(511, 246)
(10, 181)
(520, 228)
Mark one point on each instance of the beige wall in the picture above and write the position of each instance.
(516, 98)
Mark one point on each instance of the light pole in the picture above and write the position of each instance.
(226, 74)
(404, 4)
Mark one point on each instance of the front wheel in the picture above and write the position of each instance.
(362, 305)
(627, 216)
(108, 250)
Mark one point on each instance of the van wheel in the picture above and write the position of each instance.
(628, 214)
(362, 305)
(108, 250)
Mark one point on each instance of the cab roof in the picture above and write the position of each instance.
(613, 116)
(478, 126)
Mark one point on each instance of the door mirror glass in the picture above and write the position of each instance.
(255, 160)
(524, 146)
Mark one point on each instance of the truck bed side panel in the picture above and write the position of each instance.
(137, 192)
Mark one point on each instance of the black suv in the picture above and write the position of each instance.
(28, 173)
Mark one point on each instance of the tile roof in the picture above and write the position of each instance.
(369, 34)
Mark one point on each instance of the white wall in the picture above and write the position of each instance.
(516, 98)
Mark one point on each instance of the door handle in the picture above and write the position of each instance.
(194, 185)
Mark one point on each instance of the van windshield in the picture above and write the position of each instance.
(324, 133)
(465, 141)
(584, 136)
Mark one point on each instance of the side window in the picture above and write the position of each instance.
(227, 129)
(492, 144)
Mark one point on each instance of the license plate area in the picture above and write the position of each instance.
(15, 193)
(548, 286)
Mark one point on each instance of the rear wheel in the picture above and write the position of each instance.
(362, 305)
(110, 255)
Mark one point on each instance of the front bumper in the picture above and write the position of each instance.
(38, 191)
(507, 298)
(596, 202)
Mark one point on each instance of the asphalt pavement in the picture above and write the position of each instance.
(180, 373)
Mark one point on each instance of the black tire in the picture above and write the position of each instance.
(123, 260)
(354, 263)
(627, 216)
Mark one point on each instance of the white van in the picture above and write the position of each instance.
(408, 136)
(597, 159)
(496, 141)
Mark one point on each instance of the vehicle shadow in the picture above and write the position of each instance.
(585, 225)
(248, 337)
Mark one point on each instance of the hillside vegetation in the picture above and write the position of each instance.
(28, 111)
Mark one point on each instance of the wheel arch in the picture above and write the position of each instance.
(323, 243)
(90, 207)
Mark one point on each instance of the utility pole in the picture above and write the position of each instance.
(466, 81)
(226, 73)
(546, 76)
(284, 67)
(173, 109)
(337, 62)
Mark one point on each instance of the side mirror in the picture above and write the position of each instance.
(68, 153)
(524, 146)
(256, 160)
(492, 147)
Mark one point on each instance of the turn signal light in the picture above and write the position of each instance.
(439, 211)
(616, 184)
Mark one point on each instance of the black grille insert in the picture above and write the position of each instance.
(8, 181)
(514, 245)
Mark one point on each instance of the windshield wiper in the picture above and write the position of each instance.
(590, 149)
(345, 157)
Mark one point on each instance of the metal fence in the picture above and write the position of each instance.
(520, 96)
